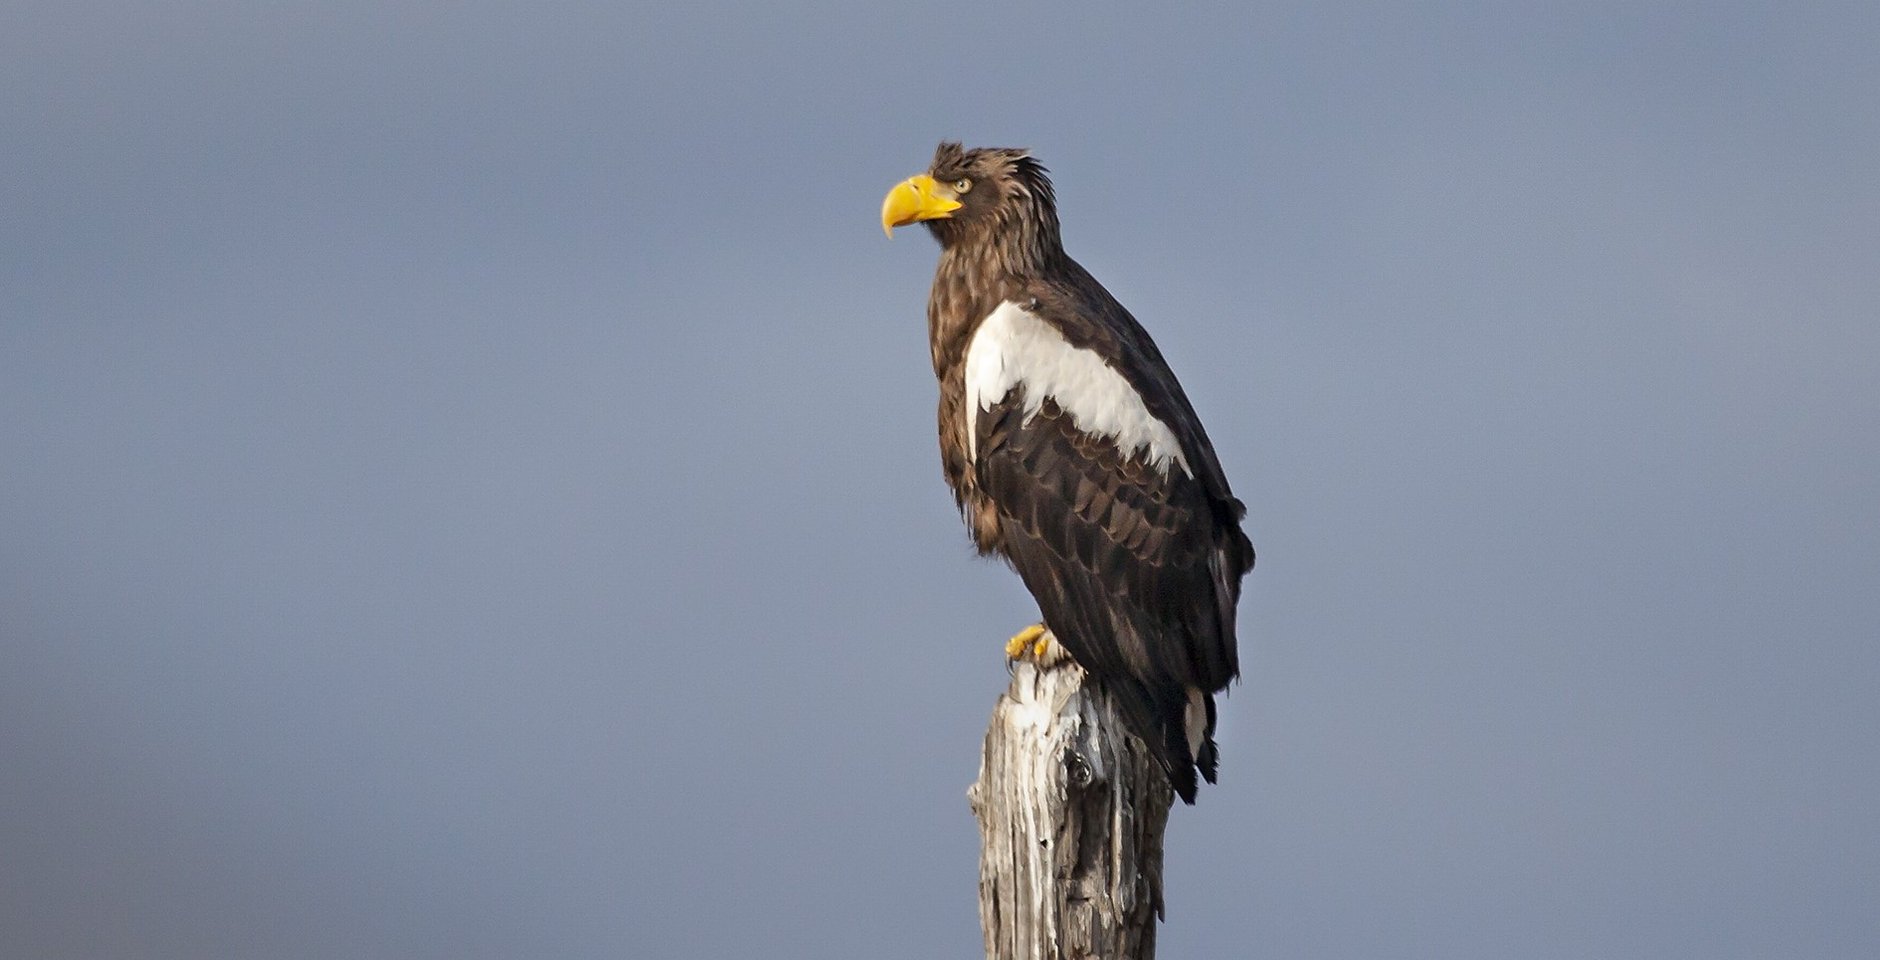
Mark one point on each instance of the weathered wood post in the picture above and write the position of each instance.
(1071, 811)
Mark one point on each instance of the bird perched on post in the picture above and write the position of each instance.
(1073, 453)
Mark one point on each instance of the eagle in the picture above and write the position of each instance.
(1073, 453)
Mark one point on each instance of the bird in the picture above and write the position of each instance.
(1073, 453)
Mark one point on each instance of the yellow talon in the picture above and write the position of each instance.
(1032, 637)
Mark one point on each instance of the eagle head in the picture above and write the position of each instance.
(974, 194)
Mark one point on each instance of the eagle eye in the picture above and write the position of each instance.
(962, 185)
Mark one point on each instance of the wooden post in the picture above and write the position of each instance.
(1071, 811)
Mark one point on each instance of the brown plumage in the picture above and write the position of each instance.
(1073, 453)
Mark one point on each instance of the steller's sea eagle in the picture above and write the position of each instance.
(1073, 453)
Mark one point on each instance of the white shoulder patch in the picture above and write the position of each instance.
(1014, 348)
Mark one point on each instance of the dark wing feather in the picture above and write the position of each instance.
(1090, 318)
(1117, 555)
(1136, 571)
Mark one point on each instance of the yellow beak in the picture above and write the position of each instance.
(916, 198)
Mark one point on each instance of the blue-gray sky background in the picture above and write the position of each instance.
(468, 485)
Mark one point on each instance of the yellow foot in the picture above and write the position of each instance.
(1033, 639)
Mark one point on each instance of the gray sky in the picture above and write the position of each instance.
(470, 487)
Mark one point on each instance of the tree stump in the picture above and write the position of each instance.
(1071, 811)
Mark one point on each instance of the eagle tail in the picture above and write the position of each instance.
(1186, 721)
(1160, 723)
(1208, 758)
(1180, 767)
(1188, 743)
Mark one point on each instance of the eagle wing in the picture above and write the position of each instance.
(1101, 480)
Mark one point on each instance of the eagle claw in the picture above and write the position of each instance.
(1034, 639)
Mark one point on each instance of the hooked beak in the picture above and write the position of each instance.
(914, 199)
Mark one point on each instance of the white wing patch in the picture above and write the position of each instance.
(1014, 348)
